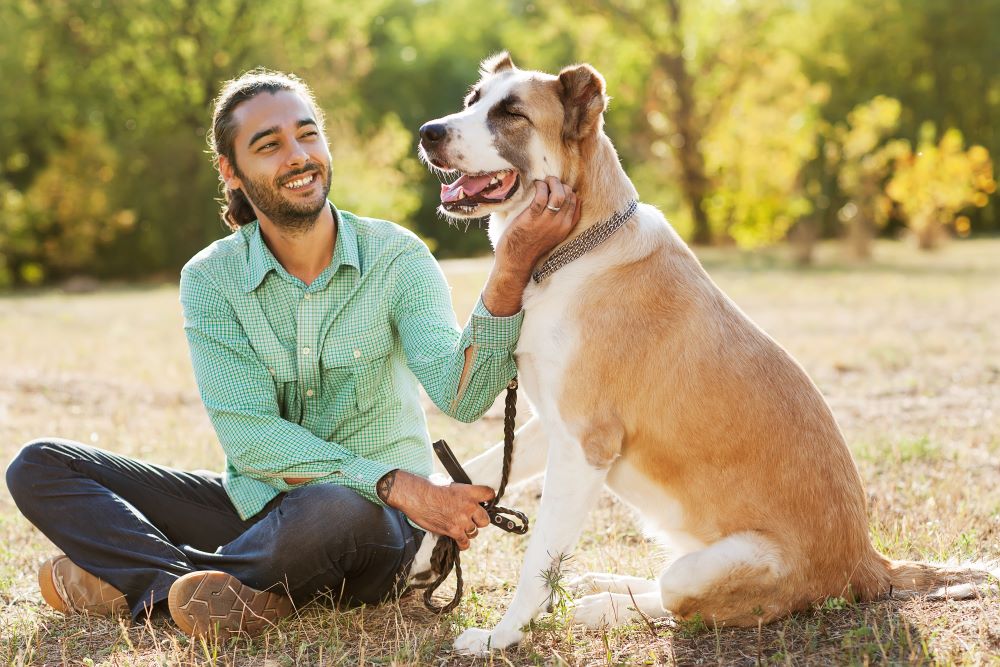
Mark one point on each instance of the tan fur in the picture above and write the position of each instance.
(668, 378)
(673, 377)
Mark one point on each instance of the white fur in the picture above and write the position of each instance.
(662, 514)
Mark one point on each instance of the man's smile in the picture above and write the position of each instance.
(301, 182)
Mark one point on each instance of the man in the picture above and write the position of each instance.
(309, 328)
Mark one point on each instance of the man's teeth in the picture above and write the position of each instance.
(300, 182)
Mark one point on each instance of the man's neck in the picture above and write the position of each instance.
(305, 255)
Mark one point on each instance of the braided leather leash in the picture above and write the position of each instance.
(445, 556)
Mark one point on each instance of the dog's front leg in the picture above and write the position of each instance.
(571, 488)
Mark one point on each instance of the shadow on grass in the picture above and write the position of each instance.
(852, 634)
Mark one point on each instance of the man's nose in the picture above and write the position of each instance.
(297, 154)
(433, 132)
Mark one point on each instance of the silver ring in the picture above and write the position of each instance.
(552, 208)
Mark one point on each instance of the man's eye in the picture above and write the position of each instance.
(268, 146)
(311, 133)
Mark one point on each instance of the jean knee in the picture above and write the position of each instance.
(331, 515)
(23, 470)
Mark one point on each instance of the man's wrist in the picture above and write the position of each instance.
(504, 290)
(383, 487)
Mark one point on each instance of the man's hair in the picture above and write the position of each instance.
(236, 209)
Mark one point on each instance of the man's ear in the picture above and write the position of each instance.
(228, 174)
(583, 101)
(499, 62)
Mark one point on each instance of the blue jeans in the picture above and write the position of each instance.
(140, 527)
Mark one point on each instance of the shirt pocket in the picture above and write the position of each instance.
(283, 367)
(358, 370)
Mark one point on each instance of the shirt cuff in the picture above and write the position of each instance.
(492, 332)
(362, 475)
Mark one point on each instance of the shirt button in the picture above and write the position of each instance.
(309, 393)
(357, 354)
(271, 371)
(305, 351)
(307, 296)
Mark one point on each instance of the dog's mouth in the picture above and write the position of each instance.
(470, 191)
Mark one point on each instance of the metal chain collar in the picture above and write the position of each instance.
(585, 242)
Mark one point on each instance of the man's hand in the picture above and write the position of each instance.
(531, 235)
(452, 509)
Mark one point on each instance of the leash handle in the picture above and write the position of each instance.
(450, 462)
(497, 518)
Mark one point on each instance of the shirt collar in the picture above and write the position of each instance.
(260, 261)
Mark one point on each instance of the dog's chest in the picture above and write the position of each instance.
(548, 343)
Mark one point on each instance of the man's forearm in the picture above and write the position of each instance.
(504, 289)
(452, 509)
(383, 487)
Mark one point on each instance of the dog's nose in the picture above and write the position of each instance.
(433, 132)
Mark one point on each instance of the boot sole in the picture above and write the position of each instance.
(216, 603)
(48, 588)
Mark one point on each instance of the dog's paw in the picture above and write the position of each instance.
(476, 641)
(602, 610)
(594, 582)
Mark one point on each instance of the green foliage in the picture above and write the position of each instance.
(742, 118)
(932, 186)
(756, 153)
(858, 153)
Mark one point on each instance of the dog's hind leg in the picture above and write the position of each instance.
(531, 445)
(740, 580)
(603, 582)
(572, 487)
(614, 609)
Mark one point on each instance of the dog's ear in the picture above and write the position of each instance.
(583, 100)
(499, 62)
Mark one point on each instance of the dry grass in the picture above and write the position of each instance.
(906, 350)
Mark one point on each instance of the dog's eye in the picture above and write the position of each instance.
(513, 111)
(472, 98)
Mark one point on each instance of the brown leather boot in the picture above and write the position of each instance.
(70, 589)
(216, 603)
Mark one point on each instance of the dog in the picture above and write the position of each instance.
(646, 379)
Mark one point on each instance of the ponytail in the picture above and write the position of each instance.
(236, 211)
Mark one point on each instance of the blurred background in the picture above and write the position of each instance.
(750, 123)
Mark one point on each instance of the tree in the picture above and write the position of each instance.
(932, 186)
(860, 155)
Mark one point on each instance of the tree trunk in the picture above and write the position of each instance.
(684, 119)
(803, 237)
(929, 234)
(859, 236)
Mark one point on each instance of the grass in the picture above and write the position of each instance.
(905, 349)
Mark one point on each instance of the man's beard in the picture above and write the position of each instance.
(290, 216)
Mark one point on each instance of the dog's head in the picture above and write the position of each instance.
(517, 127)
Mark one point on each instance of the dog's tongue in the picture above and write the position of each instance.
(464, 187)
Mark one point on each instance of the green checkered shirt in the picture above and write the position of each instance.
(319, 381)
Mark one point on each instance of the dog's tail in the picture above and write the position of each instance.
(913, 578)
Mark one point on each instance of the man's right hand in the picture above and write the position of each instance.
(449, 509)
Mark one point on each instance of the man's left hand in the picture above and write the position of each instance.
(547, 222)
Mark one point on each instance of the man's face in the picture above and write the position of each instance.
(282, 159)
